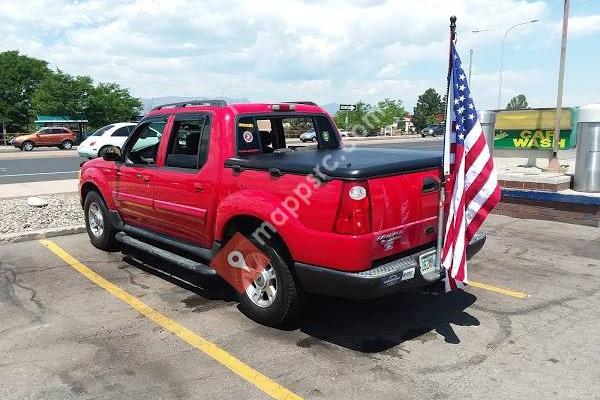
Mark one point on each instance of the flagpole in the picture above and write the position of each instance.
(443, 172)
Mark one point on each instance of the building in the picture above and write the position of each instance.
(76, 125)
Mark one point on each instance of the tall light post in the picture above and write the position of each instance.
(470, 63)
(502, 52)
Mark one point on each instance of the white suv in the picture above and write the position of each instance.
(109, 135)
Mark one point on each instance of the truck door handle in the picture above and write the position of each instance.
(276, 172)
(145, 178)
(430, 185)
(198, 187)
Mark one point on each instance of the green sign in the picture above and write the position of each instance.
(530, 139)
(533, 129)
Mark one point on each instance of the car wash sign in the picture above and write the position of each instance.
(533, 129)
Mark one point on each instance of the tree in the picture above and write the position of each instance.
(77, 97)
(390, 111)
(518, 102)
(429, 106)
(19, 78)
(108, 103)
(63, 94)
(358, 120)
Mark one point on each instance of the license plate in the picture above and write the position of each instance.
(427, 263)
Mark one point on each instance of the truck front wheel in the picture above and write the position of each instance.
(274, 298)
(97, 222)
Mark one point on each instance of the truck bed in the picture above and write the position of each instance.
(359, 163)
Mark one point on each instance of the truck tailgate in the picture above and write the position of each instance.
(404, 211)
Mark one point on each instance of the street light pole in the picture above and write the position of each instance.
(553, 163)
(470, 63)
(502, 53)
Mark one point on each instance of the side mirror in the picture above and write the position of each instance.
(113, 153)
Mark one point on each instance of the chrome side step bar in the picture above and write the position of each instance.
(178, 260)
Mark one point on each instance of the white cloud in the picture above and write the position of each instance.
(583, 25)
(336, 50)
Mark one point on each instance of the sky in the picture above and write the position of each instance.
(338, 51)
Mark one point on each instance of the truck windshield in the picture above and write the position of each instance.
(268, 133)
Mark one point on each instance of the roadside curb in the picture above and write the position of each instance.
(11, 191)
(41, 234)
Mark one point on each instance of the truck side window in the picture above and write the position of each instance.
(247, 137)
(144, 144)
(189, 143)
(327, 136)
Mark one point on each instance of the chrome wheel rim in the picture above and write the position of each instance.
(95, 220)
(263, 290)
(67, 145)
(28, 146)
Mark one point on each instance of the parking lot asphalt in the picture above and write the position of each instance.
(65, 335)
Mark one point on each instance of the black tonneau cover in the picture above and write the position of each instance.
(359, 163)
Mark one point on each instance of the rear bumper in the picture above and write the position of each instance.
(393, 276)
(87, 152)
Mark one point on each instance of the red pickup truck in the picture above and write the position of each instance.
(341, 221)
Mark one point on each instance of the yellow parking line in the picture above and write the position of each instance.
(251, 375)
(504, 291)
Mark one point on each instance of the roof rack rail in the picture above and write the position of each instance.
(308, 103)
(207, 102)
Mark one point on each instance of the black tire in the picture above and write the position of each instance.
(106, 239)
(27, 145)
(314, 139)
(66, 145)
(289, 299)
(422, 135)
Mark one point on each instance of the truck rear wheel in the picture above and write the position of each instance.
(97, 222)
(274, 298)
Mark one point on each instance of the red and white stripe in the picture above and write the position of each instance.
(475, 192)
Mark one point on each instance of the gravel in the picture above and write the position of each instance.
(17, 217)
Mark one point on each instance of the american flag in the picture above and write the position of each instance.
(470, 169)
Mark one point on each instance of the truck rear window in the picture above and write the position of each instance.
(268, 133)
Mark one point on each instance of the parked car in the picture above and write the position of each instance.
(433, 130)
(353, 224)
(309, 136)
(110, 135)
(60, 137)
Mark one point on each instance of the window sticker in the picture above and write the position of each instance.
(248, 136)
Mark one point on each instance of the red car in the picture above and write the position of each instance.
(335, 220)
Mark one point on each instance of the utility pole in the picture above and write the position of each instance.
(553, 163)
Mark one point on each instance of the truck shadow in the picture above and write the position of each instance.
(368, 326)
(372, 326)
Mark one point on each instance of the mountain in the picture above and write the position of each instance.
(149, 103)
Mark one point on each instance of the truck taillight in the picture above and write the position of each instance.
(283, 107)
(354, 212)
